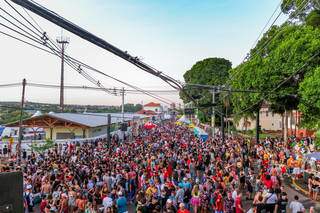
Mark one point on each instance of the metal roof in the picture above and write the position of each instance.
(94, 119)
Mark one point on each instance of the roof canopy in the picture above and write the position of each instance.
(73, 119)
(152, 104)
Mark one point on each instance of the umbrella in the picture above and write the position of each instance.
(149, 125)
(314, 155)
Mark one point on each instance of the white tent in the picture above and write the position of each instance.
(184, 120)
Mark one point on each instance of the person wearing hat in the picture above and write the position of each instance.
(169, 207)
(28, 197)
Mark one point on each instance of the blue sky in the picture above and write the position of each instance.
(171, 35)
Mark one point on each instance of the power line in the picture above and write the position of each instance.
(71, 27)
(264, 45)
(71, 63)
(279, 85)
(265, 26)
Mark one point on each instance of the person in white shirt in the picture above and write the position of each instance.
(296, 206)
(107, 201)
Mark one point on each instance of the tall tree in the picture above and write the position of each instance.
(310, 100)
(299, 9)
(276, 69)
(305, 11)
(210, 71)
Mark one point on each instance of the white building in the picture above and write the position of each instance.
(155, 107)
(268, 121)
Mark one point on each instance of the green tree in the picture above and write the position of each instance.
(299, 9)
(310, 100)
(288, 54)
(210, 71)
(132, 107)
(10, 116)
(49, 144)
(276, 69)
(313, 19)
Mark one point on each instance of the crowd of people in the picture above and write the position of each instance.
(166, 169)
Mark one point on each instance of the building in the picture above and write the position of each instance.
(155, 107)
(146, 112)
(73, 125)
(268, 121)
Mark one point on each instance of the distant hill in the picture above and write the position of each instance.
(10, 111)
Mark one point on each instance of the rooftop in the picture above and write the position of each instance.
(84, 119)
(152, 104)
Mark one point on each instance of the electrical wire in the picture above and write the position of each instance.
(54, 52)
(264, 45)
(266, 95)
(266, 25)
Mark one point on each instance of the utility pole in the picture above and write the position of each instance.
(258, 125)
(222, 128)
(213, 113)
(20, 120)
(122, 113)
(63, 41)
(108, 129)
(122, 106)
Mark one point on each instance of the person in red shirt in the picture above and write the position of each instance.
(239, 207)
(219, 203)
(268, 182)
(43, 205)
(182, 209)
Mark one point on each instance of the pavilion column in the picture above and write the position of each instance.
(51, 130)
(84, 133)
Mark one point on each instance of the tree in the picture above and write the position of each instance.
(210, 71)
(49, 144)
(132, 107)
(313, 19)
(276, 70)
(310, 100)
(12, 115)
(299, 9)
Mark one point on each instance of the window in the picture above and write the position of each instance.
(280, 124)
(267, 113)
(272, 114)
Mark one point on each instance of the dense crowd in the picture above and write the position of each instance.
(166, 169)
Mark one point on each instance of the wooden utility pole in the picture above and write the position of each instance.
(258, 127)
(24, 82)
(63, 41)
(213, 113)
(108, 129)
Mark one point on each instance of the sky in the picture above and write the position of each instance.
(170, 35)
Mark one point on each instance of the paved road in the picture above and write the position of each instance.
(307, 202)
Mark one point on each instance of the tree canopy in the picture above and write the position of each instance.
(310, 99)
(210, 71)
(275, 70)
(299, 9)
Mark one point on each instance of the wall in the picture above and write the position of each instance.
(155, 109)
(77, 131)
(268, 121)
(97, 131)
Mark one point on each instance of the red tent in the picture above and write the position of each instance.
(149, 125)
